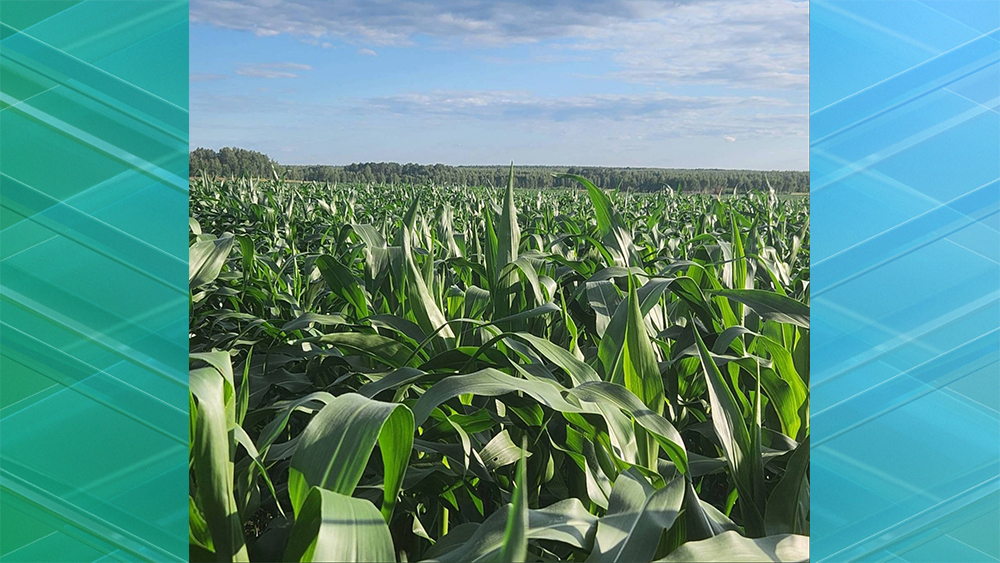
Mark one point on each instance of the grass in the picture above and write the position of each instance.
(410, 373)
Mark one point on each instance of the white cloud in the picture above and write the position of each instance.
(762, 44)
(367, 52)
(640, 116)
(735, 43)
(204, 77)
(272, 70)
(661, 114)
(713, 82)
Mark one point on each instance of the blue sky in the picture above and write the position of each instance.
(691, 84)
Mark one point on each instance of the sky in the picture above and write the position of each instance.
(689, 84)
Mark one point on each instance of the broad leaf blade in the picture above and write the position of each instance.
(788, 506)
(333, 450)
(206, 258)
(730, 546)
(343, 283)
(214, 411)
(421, 301)
(727, 420)
(637, 516)
(566, 521)
(335, 527)
(771, 306)
(515, 534)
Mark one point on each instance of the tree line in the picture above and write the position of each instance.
(241, 162)
(231, 161)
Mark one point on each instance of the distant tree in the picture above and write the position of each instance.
(229, 161)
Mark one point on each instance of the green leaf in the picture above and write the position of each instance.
(247, 252)
(198, 533)
(206, 258)
(376, 254)
(378, 347)
(335, 527)
(662, 430)
(491, 383)
(515, 534)
(745, 464)
(333, 450)
(306, 319)
(577, 370)
(566, 522)
(770, 306)
(635, 366)
(603, 298)
(500, 451)
(730, 546)
(613, 230)
(613, 337)
(688, 289)
(394, 379)
(702, 519)
(637, 516)
(508, 231)
(421, 301)
(788, 505)
(343, 283)
(787, 403)
(214, 411)
(198, 554)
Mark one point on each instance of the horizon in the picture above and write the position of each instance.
(716, 84)
(507, 164)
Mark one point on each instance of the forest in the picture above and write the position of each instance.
(237, 162)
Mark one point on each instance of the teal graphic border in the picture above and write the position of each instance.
(93, 253)
(905, 195)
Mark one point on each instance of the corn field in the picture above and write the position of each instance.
(437, 373)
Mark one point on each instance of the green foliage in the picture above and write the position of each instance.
(239, 162)
(497, 374)
(229, 162)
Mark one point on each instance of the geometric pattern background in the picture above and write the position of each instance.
(905, 194)
(93, 253)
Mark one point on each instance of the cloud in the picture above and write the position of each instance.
(699, 75)
(397, 23)
(204, 77)
(272, 70)
(640, 116)
(659, 113)
(208, 105)
(762, 44)
(367, 52)
(736, 43)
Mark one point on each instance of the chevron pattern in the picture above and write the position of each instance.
(93, 317)
(905, 163)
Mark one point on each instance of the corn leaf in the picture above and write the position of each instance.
(334, 449)
(206, 258)
(515, 534)
(637, 516)
(730, 546)
(331, 526)
(737, 444)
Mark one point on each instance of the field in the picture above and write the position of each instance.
(389, 372)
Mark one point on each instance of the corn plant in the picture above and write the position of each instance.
(449, 373)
